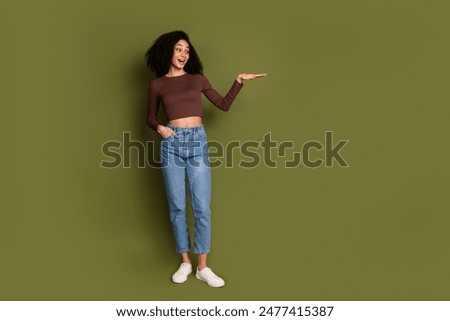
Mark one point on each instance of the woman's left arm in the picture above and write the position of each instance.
(224, 103)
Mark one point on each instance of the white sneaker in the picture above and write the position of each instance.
(182, 273)
(209, 277)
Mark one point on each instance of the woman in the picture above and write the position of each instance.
(184, 148)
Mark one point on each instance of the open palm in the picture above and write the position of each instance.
(251, 76)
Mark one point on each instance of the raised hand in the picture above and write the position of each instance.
(242, 77)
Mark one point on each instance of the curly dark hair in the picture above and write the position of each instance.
(159, 55)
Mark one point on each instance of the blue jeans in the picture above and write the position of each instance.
(188, 154)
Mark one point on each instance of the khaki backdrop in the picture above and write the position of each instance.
(374, 73)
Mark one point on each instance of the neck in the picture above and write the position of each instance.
(175, 72)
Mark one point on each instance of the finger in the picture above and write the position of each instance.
(174, 134)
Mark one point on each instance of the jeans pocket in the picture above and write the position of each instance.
(168, 137)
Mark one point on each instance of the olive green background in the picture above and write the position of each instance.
(375, 73)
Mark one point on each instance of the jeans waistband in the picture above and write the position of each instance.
(186, 129)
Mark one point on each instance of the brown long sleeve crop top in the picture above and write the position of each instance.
(181, 97)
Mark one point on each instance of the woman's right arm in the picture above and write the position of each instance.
(153, 106)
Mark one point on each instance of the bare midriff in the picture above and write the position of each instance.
(191, 121)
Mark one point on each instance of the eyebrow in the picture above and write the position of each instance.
(181, 45)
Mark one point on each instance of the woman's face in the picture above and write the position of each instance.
(180, 54)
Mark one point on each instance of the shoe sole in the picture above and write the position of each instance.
(213, 286)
